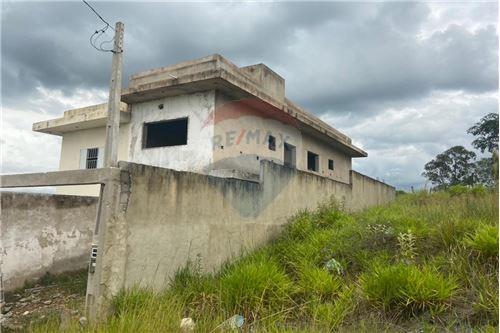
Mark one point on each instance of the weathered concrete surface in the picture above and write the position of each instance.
(217, 73)
(59, 178)
(221, 101)
(241, 135)
(44, 233)
(81, 118)
(198, 108)
(75, 141)
(173, 216)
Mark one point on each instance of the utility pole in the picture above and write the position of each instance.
(115, 92)
(108, 193)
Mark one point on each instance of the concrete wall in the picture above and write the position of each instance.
(44, 233)
(173, 216)
(342, 162)
(241, 133)
(73, 141)
(197, 154)
(240, 142)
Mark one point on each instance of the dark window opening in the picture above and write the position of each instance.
(312, 161)
(289, 158)
(92, 156)
(165, 133)
(271, 142)
(330, 164)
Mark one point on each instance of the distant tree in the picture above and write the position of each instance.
(495, 166)
(483, 172)
(452, 167)
(486, 131)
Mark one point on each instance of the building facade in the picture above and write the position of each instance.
(206, 116)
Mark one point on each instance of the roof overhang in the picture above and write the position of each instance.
(78, 119)
(215, 72)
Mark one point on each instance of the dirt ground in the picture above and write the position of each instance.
(60, 298)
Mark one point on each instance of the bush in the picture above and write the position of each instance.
(407, 289)
(484, 241)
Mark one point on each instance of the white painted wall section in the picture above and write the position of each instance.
(197, 153)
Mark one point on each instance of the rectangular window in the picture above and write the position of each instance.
(330, 164)
(289, 155)
(312, 161)
(271, 143)
(91, 158)
(92, 154)
(165, 133)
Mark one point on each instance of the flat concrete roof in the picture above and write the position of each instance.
(208, 73)
(82, 118)
(216, 72)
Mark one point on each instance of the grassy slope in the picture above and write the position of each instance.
(425, 262)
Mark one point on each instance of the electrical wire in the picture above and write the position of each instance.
(98, 15)
(99, 33)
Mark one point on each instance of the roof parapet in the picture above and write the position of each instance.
(81, 118)
(207, 73)
(216, 72)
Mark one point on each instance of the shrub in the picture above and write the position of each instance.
(407, 289)
(254, 285)
(484, 241)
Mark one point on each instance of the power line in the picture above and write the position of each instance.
(98, 33)
(98, 15)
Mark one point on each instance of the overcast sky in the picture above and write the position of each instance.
(404, 80)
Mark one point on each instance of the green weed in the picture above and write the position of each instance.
(407, 289)
(485, 240)
(425, 262)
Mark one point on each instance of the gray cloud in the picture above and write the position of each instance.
(351, 63)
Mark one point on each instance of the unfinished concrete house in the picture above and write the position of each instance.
(214, 159)
(206, 116)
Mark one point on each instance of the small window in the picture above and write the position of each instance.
(165, 133)
(91, 158)
(289, 155)
(271, 143)
(312, 161)
(330, 164)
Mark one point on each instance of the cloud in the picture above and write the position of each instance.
(371, 69)
(401, 140)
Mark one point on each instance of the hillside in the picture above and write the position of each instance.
(426, 262)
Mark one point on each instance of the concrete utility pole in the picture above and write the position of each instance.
(108, 199)
(115, 92)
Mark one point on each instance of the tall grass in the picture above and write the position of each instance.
(424, 262)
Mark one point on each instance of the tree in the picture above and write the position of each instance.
(452, 167)
(486, 131)
(483, 172)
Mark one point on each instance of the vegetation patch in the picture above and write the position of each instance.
(425, 262)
